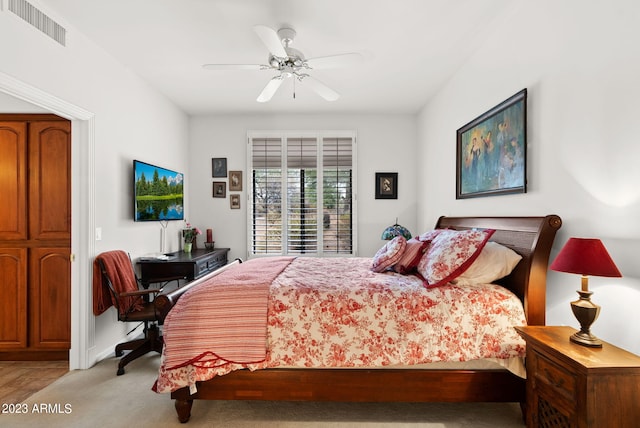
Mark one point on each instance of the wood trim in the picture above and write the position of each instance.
(363, 385)
(34, 355)
(28, 117)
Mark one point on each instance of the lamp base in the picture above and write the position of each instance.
(585, 339)
(586, 312)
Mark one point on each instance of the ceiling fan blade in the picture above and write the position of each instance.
(271, 40)
(233, 66)
(336, 61)
(270, 89)
(319, 88)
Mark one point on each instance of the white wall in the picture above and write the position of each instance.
(581, 65)
(385, 143)
(9, 104)
(130, 120)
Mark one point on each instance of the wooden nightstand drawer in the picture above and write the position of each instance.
(574, 386)
(555, 376)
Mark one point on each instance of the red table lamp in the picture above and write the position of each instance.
(585, 257)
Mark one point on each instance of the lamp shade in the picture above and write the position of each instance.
(585, 256)
(395, 230)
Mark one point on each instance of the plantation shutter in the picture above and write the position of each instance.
(267, 196)
(301, 195)
(337, 201)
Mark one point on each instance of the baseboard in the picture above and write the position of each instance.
(40, 355)
(109, 352)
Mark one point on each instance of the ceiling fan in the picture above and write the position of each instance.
(291, 63)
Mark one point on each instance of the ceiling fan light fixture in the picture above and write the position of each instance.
(274, 62)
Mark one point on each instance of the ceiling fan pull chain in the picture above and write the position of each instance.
(294, 89)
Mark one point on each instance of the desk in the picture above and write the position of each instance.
(188, 265)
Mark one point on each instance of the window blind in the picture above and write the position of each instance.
(301, 195)
(337, 200)
(267, 196)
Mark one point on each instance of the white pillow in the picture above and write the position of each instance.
(494, 262)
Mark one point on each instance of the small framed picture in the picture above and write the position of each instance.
(219, 167)
(386, 185)
(235, 181)
(219, 189)
(234, 201)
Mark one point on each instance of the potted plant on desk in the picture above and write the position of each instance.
(189, 234)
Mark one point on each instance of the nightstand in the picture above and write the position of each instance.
(570, 385)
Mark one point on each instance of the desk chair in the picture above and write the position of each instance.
(133, 305)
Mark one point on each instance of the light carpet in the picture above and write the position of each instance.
(97, 397)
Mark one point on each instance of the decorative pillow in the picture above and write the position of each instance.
(495, 261)
(413, 252)
(389, 254)
(428, 236)
(451, 252)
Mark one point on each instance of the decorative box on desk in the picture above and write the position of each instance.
(189, 265)
(570, 385)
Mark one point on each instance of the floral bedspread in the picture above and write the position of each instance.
(336, 312)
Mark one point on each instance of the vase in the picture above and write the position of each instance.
(187, 247)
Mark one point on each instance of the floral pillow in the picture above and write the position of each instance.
(495, 261)
(451, 252)
(413, 252)
(430, 235)
(389, 254)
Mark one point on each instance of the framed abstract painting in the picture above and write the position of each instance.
(491, 151)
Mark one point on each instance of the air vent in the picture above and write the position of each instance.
(38, 19)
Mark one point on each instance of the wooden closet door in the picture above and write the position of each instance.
(35, 237)
(50, 180)
(13, 230)
(50, 234)
(13, 180)
(49, 298)
(13, 304)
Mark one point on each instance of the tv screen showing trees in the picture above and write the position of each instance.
(158, 193)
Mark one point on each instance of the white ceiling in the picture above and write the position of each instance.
(411, 46)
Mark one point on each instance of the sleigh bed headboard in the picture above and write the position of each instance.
(532, 238)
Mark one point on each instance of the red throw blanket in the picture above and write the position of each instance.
(223, 320)
(117, 264)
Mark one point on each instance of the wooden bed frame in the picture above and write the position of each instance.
(532, 237)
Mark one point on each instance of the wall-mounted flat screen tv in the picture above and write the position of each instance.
(158, 193)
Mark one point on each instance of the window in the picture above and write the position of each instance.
(301, 194)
